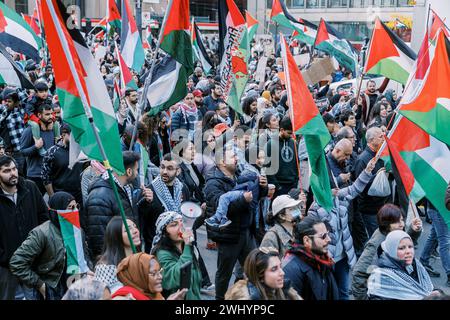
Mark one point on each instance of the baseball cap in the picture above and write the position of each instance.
(197, 93)
(282, 202)
(219, 129)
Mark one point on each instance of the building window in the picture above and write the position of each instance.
(316, 4)
(22, 6)
(337, 3)
(298, 3)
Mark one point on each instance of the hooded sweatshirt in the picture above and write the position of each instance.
(287, 172)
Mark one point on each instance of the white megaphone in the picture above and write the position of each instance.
(190, 212)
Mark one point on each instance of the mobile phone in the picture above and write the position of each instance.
(185, 275)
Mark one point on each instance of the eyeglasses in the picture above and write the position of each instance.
(157, 273)
(322, 236)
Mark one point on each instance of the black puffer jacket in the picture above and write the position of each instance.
(101, 206)
(239, 213)
(17, 220)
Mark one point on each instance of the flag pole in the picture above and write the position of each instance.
(148, 81)
(88, 113)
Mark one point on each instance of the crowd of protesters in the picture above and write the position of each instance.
(249, 174)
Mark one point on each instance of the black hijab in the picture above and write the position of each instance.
(59, 201)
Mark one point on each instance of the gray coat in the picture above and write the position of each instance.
(367, 261)
(278, 238)
(338, 217)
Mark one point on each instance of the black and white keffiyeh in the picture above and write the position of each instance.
(165, 197)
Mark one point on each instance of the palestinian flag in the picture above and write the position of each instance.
(403, 176)
(429, 105)
(69, 222)
(143, 163)
(150, 39)
(168, 85)
(100, 35)
(306, 31)
(428, 160)
(199, 49)
(252, 26)
(126, 78)
(233, 53)
(80, 87)
(332, 42)
(388, 55)
(17, 34)
(116, 96)
(113, 17)
(436, 24)
(170, 75)
(307, 121)
(130, 41)
(10, 73)
(33, 22)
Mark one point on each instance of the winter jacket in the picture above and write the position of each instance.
(41, 258)
(367, 204)
(309, 282)
(341, 240)
(277, 237)
(171, 264)
(29, 150)
(367, 261)
(287, 173)
(238, 211)
(196, 191)
(245, 290)
(101, 206)
(183, 121)
(337, 169)
(17, 220)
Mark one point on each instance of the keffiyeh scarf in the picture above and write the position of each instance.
(164, 195)
(163, 220)
(397, 284)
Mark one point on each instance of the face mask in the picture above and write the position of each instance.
(295, 213)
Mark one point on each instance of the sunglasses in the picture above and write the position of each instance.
(321, 236)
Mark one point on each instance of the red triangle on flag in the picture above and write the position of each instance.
(381, 47)
(423, 58)
(250, 20)
(407, 177)
(3, 22)
(72, 217)
(178, 17)
(322, 33)
(276, 8)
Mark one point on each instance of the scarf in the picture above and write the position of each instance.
(133, 271)
(189, 111)
(319, 262)
(14, 122)
(163, 220)
(164, 195)
(397, 284)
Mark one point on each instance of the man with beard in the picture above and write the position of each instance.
(101, 204)
(370, 98)
(30, 146)
(169, 192)
(286, 176)
(22, 208)
(198, 99)
(212, 101)
(307, 263)
(56, 175)
(41, 97)
(131, 98)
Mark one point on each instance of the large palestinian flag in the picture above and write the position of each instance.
(233, 51)
(69, 222)
(305, 31)
(17, 34)
(388, 55)
(332, 42)
(428, 106)
(199, 49)
(307, 121)
(170, 75)
(80, 87)
(428, 159)
(10, 73)
(130, 41)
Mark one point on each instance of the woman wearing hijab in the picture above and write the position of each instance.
(40, 262)
(185, 119)
(142, 277)
(399, 275)
(173, 247)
